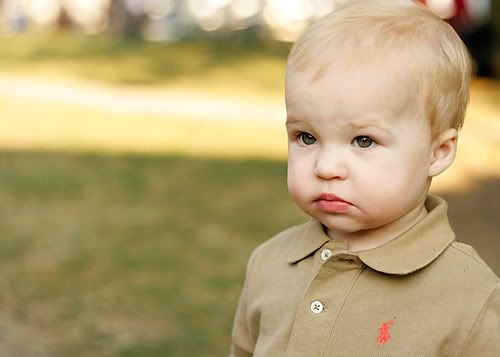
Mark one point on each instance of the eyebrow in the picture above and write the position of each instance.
(290, 120)
(359, 124)
(355, 124)
(369, 123)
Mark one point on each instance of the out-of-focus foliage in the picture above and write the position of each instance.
(477, 21)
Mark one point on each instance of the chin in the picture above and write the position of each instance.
(344, 228)
(340, 222)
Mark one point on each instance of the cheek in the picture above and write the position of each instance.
(292, 179)
(398, 176)
(393, 173)
(296, 179)
(414, 170)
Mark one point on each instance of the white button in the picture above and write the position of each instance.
(326, 254)
(316, 307)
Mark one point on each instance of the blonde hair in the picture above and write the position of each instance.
(439, 69)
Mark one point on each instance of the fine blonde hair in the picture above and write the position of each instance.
(437, 66)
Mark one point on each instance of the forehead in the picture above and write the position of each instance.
(369, 83)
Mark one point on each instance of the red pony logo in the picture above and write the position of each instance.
(384, 336)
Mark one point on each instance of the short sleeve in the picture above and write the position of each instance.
(484, 338)
(243, 334)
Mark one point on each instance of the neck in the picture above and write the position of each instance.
(374, 237)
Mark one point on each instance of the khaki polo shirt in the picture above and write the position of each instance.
(421, 294)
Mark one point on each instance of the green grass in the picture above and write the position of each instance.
(216, 65)
(131, 255)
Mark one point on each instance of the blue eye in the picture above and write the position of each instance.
(364, 142)
(307, 138)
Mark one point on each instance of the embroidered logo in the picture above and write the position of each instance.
(384, 335)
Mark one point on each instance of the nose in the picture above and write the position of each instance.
(330, 164)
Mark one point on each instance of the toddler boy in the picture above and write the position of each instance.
(375, 94)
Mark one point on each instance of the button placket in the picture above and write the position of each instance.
(332, 286)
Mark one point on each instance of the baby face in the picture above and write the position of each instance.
(358, 156)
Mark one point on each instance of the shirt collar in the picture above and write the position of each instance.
(411, 251)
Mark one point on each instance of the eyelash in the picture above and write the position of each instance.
(355, 142)
(302, 134)
(300, 138)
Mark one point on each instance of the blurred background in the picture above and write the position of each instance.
(143, 157)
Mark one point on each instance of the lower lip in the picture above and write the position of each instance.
(333, 206)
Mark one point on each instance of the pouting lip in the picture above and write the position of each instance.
(331, 197)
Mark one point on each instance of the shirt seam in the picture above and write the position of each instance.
(323, 353)
(249, 277)
(238, 350)
(460, 350)
(481, 263)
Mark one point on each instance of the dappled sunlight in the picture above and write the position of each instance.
(82, 128)
(84, 116)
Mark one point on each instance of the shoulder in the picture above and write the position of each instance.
(467, 257)
(280, 244)
(483, 289)
(270, 258)
(465, 275)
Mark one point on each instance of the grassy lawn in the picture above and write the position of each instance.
(129, 255)
(115, 254)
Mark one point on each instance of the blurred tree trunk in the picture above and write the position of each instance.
(495, 24)
(63, 22)
(495, 17)
(122, 22)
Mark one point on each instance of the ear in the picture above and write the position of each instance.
(443, 152)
